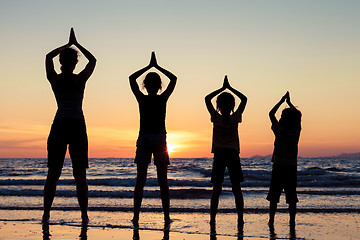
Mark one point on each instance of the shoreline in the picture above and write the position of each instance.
(185, 210)
(20, 224)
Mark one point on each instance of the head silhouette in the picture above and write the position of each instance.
(290, 119)
(152, 83)
(225, 103)
(68, 59)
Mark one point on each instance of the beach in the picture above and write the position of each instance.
(21, 224)
(99, 84)
(328, 190)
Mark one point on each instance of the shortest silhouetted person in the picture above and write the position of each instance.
(152, 134)
(226, 146)
(284, 171)
(68, 127)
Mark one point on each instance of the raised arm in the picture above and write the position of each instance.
(289, 102)
(276, 107)
(49, 64)
(89, 68)
(209, 97)
(132, 78)
(170, 88)
(242, 97)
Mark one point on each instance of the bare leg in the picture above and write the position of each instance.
(49, 191)
(292, 213)
(217, 187)
(82, 191)
(239, 202)
(273, 207)
(212, 230)
(139, 190)
(164, 190)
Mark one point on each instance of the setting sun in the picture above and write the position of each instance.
(171, 147)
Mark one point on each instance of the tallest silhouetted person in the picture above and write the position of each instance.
(68, 127)
(152, 134)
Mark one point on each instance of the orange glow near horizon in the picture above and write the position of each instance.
(172, 148)
(265, 50)
(29, 141)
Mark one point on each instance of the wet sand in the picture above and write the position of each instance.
(20, 224)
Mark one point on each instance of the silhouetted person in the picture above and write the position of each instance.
(68, 127)
(225, 146)
(152, 134)
(284, 171)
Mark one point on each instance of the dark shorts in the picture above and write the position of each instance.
(284, 177)
(229, 159)
(149, 144)
(70, 132)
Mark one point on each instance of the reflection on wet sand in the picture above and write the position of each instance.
(166, 230)
(47, 235)
(292, 232)
(46, 231)
(213, 235)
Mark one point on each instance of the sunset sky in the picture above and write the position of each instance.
(310, 48)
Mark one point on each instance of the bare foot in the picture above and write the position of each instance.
(45, 217)
(271, 223)
(167, 222)
(85, 218)
(135, 222)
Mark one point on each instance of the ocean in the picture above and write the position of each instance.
(325, 185)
